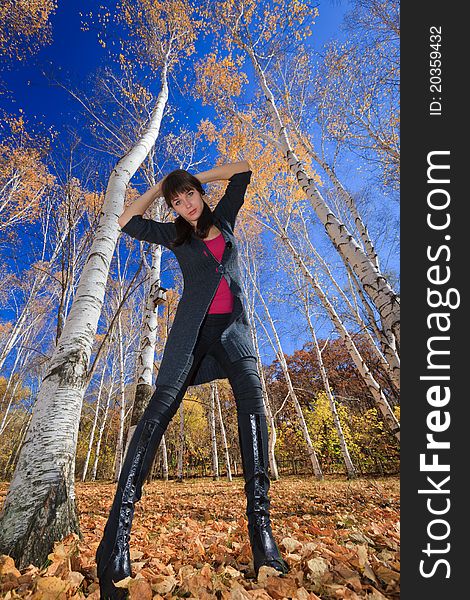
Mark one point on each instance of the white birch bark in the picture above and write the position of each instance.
(101, 431)
(267, 404)
(223, 433)
(45, 471)
(164, 458)
(393, 368)
(122, 401)
(93, 427)
(179, 472)
(14, 454)
(10, 393)
(37, 284)
(155, 295)
(387, 344)
(348, 200)
(249, 264)
(215, 456)
(326, 384)
(282, 361)
(373, 386)
(372, 280)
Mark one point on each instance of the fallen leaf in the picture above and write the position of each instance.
(376, 595)
(387, 575)
(135, 554)
(302, 594)
(51, 588)
(361, 538)
(7, 565)
(317, 567)
(231, 571)
(164, 584)
(259, 594)
(237, 592)
(281, 587)
(362, 556)
(266, 572)
(290, 544)
(139, 589)
(308, 549)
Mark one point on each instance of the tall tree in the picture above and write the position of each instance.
(263, 34)
(45, 470)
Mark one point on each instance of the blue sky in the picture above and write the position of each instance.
(75, 55)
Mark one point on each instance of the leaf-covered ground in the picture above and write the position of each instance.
(190, 540)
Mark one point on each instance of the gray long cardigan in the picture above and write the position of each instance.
(202, 274)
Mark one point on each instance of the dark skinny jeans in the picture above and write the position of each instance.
(242, 374)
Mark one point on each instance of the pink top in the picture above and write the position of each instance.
(223, 299)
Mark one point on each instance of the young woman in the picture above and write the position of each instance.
(210, 339)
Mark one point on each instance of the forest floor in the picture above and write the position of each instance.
(190, 540)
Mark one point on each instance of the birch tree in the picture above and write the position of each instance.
(250, 246)
(102, 426)
(94, 424)
(389, 361)
(222, 431)
(213, 436)
(277, 347)
(304, 294)
(46, 465)
(262, 34)
(374, 387)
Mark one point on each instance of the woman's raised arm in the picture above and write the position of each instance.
(134, 224)
(224, 171)
(139, 206)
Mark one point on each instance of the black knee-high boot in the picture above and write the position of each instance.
(112, 555)
(253, 436)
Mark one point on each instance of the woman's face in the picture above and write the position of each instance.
(189, 205)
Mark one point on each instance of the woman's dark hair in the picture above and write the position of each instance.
(179, 181)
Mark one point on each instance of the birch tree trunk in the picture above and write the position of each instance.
(145, 358)
(14, 453)
(387, 344)
(374, 283)
(164, 458)
(10, 393)
(40, 504)
(282, 361)
(249, 265)
(392, 368)
(122, 403)
(215, 457)
(304, 293)
(339, 430)
(93, 427)
(372, 384)
(179, 473)
(223, 433)
(33, 290)
(100, 432)
(267, 404)
(348, 200)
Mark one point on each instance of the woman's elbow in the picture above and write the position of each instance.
(124, 219)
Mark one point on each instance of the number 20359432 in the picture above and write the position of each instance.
(435, 70)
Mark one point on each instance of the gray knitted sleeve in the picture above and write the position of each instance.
(233, 198)
(148, 230)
